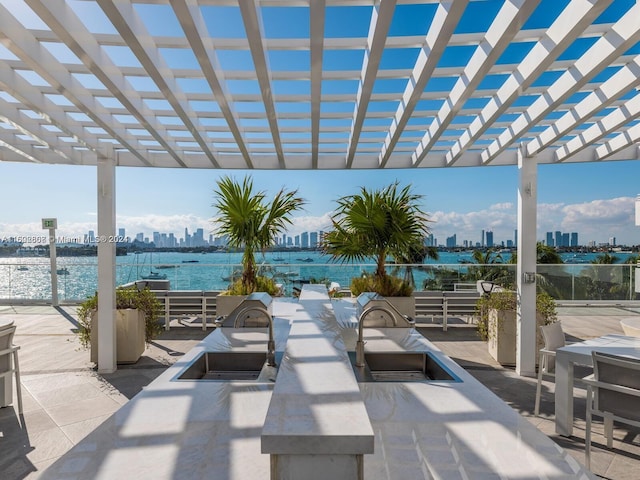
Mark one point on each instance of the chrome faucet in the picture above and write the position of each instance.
(271, 344)
(360, 343)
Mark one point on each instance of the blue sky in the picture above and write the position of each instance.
(596, 200)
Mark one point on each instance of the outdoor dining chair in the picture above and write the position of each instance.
(553, 337)
(613, 392)
(9, 361)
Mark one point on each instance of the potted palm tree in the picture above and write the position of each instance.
(251, 223)
(137, 313)
(380, 224)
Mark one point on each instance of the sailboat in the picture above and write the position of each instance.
(153, 275)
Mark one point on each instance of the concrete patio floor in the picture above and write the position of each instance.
(65, 398)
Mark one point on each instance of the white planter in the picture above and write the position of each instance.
(130, 336)
(502, 330)
(405, 305)
(225, 304)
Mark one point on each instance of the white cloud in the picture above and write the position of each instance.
(597, 220)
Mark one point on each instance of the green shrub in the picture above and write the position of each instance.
(126, 297)
(387, 286)
(506, 300)
(263, 284)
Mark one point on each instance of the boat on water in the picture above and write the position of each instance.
(278, 259)
(166, 266)
(22, 268)
(307, 259)
(154, 276)
(62, 271)
(190, 261)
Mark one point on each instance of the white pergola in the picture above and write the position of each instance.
(319, 84)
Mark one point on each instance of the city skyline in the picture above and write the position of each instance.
(595, 199)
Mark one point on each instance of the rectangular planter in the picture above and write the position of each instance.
(225, 304)
(130, 336)
(405, 305)
(503, 333)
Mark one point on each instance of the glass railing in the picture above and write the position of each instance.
(30, 279)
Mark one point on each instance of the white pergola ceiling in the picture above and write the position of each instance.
(156, 83)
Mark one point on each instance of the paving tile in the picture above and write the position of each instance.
(48, 444)
(67, 394)
(77, 431)
(81, 410)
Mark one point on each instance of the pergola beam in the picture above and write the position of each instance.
(126, 20)
(190, 17)
(504, 27)
(564, 30)
(316, 45)
(624, 114)
(381, 16)
(250, 10)
(615, 87)
(624, 34)
(444, 22)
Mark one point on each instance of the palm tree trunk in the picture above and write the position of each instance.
(381, 271)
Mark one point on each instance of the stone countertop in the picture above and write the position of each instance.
(316, 407)
(206, 429)
(184, 429)
(444, 429)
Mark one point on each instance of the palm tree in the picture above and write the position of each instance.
(250, 222)
(544, 255)
(376, 223)
(415, 255)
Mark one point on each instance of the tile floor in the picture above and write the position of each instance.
(65, 399)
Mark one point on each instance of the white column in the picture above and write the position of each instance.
(106, 265)
(525, 276)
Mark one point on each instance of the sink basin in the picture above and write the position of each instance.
(225, 366)
(401, 367)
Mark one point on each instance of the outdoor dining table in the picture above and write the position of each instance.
(580, 353)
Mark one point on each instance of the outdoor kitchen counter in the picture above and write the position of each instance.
(185, 429)
(204, 429)
(446, 429)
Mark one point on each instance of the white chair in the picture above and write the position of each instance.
(613, 392)
(9, 365)
(553, 336)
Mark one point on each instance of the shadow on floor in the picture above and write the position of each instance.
(15, 445)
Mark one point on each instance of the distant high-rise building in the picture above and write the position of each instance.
(121, 234)
(304, 239)
(313, 239)
(284, 240)
(489, 234)
(140, 237)
(558, 238)
(574, 239)
(612, 241)
(515, 237)
(451, 241)
(481, 239)
(565, 239)
(172, 241)
(296, 240)
(429, 240)
(550, 242)
(156, 238)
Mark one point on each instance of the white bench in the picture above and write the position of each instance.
(446, 304)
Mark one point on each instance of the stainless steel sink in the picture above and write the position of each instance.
(401, 367)
(224, 366)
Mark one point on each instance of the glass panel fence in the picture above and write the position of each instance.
(30, 279)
